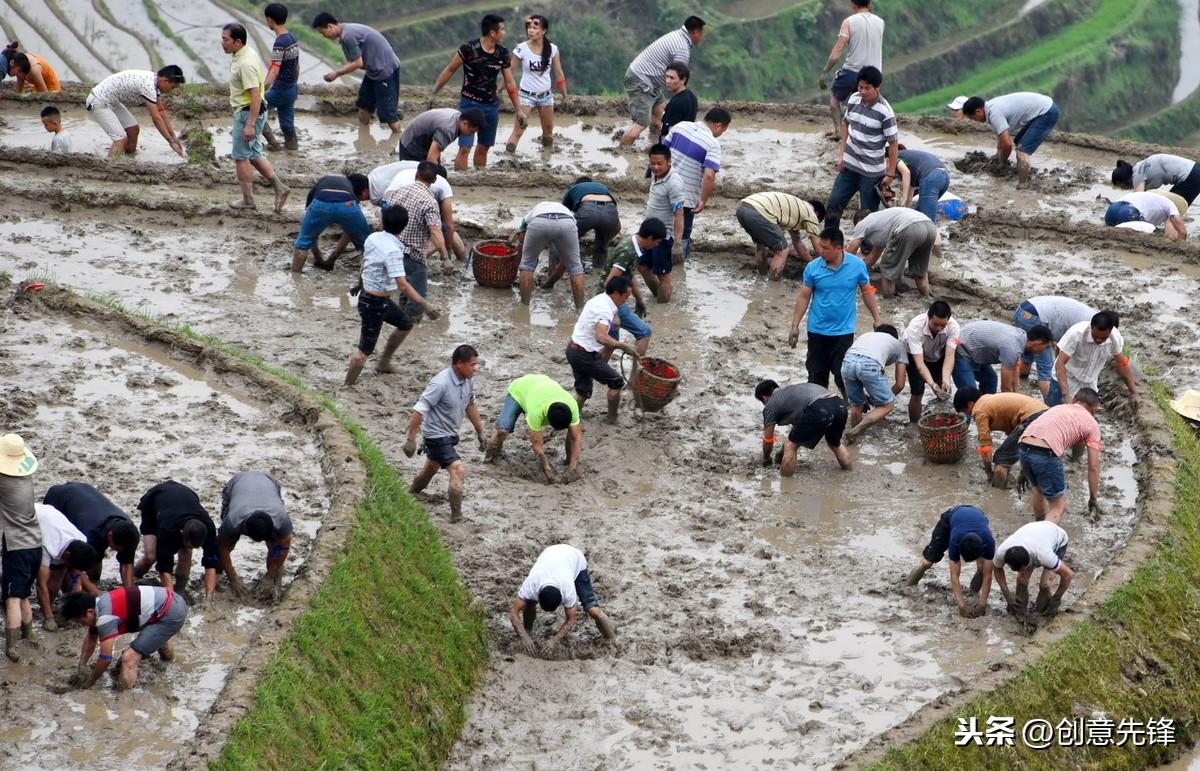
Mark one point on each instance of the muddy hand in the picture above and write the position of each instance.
(978, 610)
(793, 338)
(238, 589)
(1094, 508)
(49, 624)
(823, 82)
(433, 313)
(571, 476)
(410, 447)
(550, 649)
(530, 648)
(941, 394)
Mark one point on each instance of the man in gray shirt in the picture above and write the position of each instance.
(439, 412)
(1023, 119)
(369, 51)
(431, 132)
(22, 540)
(861, 37)
(1182, 174)
(1057, 313)
(813, 411)
(252, 505)
(665, 202)
(864, 371)
(981, 344)
(894, 238)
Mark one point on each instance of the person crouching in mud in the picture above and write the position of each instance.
(963, 532)
(156, 613)
(544, 403)
(813, 412)
(558, 577)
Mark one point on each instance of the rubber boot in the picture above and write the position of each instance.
(915, 575)
(290, 141)
(11, 637)
(273, 143)
(977, 582)
(27, 631)
(456, 499)
(614, 406)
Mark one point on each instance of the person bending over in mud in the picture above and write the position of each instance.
(1023, 120)
(594, 338)
(105, 525)
(543, 402)
(1035, 545)
(1008, 412)
(438, 414)
(173, 524)
(765, 217)
(558, 577)
(252, 505)
(627, 259)
(813, 411)
(333, 200)
(155, 613)
(963, 532)
(864, 371)
(66, 558)
(1041, 449)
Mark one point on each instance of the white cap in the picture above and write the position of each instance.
(958, 103)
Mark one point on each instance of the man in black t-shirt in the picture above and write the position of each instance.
(683, 105)
(173, 524)
(98, 518)
(482, 59)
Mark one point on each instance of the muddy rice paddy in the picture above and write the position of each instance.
(760, 619)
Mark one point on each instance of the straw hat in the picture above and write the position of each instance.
(1178, 201)
(15, 458)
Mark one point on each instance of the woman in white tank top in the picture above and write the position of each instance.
(537, 58)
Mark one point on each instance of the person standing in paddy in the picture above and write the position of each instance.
(22, 537)
(683, 105)
(369, 51)
(899, 240)
(246, 81)
(861, 37)
(549, 225)
(283, 77)
(438, 414)
(431, 132)
(1158, 170)
(1022, 120)
(593, 334)
(538, 59)
(333, 200)
(66, 558)
(1011, 413)
(827, 296)
(645, 76)
(595, 210)
(482, 60)
(765, 217)
(665, 203)
(106, 105)
(559, 577)
(868, 149)
(631, 256)
(1034, 545)
(696, 157)
(930, 360)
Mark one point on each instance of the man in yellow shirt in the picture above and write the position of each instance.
(246, 81)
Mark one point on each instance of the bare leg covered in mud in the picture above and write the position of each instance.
(454, 491)
(245, 178)
(359, 359)
(19, 626)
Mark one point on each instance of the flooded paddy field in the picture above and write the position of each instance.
(761, 620)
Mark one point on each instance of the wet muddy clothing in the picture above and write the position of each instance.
(155, 613)
(18, 516)
(556, 566)
(481, 69)
(535, 393)
(1162, 169)
(1002, 412)
(990, 342)
(1087, 356)
(1057, 313)
(1065, 426)
(91, 512)
(440, 125)
(57, 534)
(1045, 541)
(824, 419)
(165, 509)
(443, 404)
(952, 526)
(373, 313)
(247, 493)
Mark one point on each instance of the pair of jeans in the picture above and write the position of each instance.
(933, 186)
(968, 374)
(1026, 318)
(845, 185)
(321, 214)
(283, 101)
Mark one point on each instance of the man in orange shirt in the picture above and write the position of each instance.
(1008, 412)
(1042, 446)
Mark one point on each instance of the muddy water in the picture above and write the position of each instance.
(758, 616)
(1189, 51)
(117, 413)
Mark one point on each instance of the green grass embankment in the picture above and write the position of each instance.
(377, 672)
(1138, 657)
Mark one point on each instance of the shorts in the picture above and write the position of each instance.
(631, 323)
(1120, 212)
(1006, 454)
(542, 99)
(20, 568)
(916, 386)
(588, 366)
(381, 97)
(149, 523)
(939, 540)
(824, 418)
(1044, 470)
(761, 230)
(557, 233)
(1030, 138)
(845, 83)
(912, 246)
(658, 259)
(865, 379)
(643, 98)
(321, 214)
(486, 135)
(441, 450)
(113, 118)
(583, 590)
(375, 311)
(509, 412)
(153, 637)
(252, 150)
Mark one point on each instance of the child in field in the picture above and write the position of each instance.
(52, 120)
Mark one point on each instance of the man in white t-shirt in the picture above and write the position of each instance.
(1082, 351)
(558, 577)
(592, 335)
(1153, 207)
(391, 176)
(66, 554)
(1042, 545)
(108, 102)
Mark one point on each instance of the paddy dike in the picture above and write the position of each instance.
(759, 618)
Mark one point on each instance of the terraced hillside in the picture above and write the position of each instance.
(1115, 66)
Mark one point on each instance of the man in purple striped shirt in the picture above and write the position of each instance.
(696, 159)
(868, 149)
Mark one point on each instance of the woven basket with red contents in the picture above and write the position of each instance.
(494, 263)
(656, 384)
(944, 436)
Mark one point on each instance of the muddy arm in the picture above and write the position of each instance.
(539, 451)
(1008, 378)
(872, 303)
(768, 443)
(1060, 374)
(225, 556)
(1125, 370)
(1004, 146)
(956, 586)
(162, 122)
(986, 567)
(901, 378)
(835, 53)
(1093, 473)
(1002, 581)
(572, 614)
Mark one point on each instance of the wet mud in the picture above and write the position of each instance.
(761, 620)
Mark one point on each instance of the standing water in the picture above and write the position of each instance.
(1189, 50)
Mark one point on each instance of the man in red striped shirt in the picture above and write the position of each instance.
(155, 613)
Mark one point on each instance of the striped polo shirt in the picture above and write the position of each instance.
(651, 64)
(785, 210)
(990, 342)
(693, 149)
(869, 130)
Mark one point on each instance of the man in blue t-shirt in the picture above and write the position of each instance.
(283, 78)
(964, 533)
(830, 283)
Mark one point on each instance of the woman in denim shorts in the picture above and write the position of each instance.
(537, 57)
